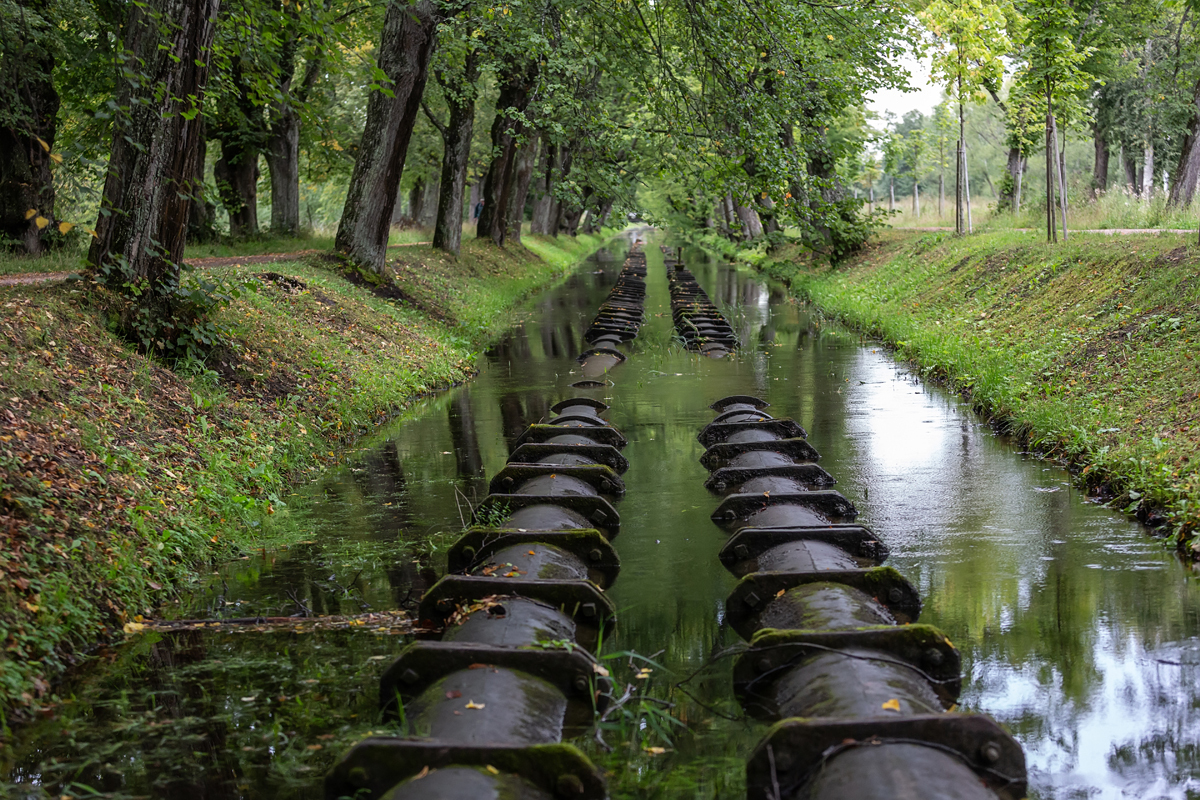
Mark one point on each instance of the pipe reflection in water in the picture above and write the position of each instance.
(859, 700)
(509, 668)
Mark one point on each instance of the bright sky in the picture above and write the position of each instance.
(923, 99)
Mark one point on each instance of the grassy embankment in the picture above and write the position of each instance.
(1087, 350)
(121, 477)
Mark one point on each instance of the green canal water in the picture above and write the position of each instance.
(1078, 631)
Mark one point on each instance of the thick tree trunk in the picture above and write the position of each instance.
(283, 162)
(1187, 171)
(456, 152)
(236, 172)
(558, 209)
(148, 192)
(416, 201)
(1100, 163)
(515, 90)
(731, 223)
(25, 179)
(404, 52)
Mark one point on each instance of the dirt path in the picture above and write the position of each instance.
(35, 278)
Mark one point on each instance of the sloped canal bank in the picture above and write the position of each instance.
(1076, 630)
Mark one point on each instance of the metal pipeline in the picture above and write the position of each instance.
(505, 666)
(697, 319)
(862, 697)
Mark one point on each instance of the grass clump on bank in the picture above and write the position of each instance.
(120, 477)
(1086, 349)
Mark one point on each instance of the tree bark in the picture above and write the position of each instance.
(1060, 176)
(26, 182)
(404, 51)
(516, 88)
(148, 192)
(751, 224)
(1100, 162)
(456, 152)
(1187, 171)
(236, 172)
(543, 188)
(202, 219)
(283, 162)
(1148, 169)
(1013, 166)
(518, 194)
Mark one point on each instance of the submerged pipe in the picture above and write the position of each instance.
(862, 697)
(698, 321)
(505, 666)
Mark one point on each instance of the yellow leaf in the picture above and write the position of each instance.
(31, 213)
(133, 627)
(336, 146)
(42, 142)
(829, 37)
(655, 751)
(892, 705)
(65, 227)
(41, 222)
(473, 704)
(93, 233)
(56, 158)
(492, 770)
(599, 670)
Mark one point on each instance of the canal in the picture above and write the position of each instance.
(1078, 631)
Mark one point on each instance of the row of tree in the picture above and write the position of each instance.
(1124, 73)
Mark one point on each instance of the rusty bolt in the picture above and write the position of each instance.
(991, 752)
(568, 785)
(895, 595)
(741, 551)
(581, 683)
(594, 554)
(359, 776)
(410, 676)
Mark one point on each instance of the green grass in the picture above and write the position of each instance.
(121, 477)
(1087, 350)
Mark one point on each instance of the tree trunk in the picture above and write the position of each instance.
(1187, 171)
(559, 210)
(456, 153)
(148, 192)
(404, 52)
(871, 198)
(25, 179)
(237, 185)
(1020, 180)
(283, 162)
(891, 194)
(960, 168)
(941, 195)
(202, 219)
(543, 187)
(1148, 169)
(1100, 163)
(1060, 176)
(521, 173)
(516, 86)
(916, 200)
(751, 224)
(730, 218)
(1051, 231)
(1013, 166)
(429, 203)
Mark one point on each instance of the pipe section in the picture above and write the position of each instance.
(862, 697)
(505, 668)
(698, 321)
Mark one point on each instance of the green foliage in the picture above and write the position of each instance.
(172, 318)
